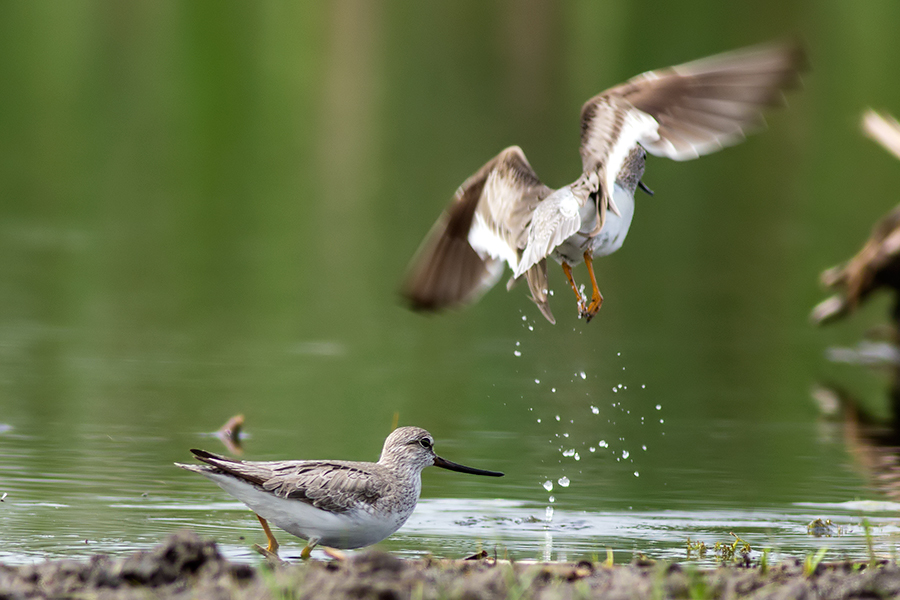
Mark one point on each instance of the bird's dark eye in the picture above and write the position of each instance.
(425, 443)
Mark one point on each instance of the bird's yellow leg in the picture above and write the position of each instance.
(307, 550)
(273, 543)
(568, 271)
(272, 551)
(596, 296)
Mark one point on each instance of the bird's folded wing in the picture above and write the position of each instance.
(483, 227)
(332, 486)
(883, 129)
(704, 105)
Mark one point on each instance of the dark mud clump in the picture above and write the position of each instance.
(185, 566)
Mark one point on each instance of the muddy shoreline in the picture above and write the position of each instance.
(186, 566)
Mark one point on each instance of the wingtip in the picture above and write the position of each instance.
(828, 310)
(205, 456)
(883, 129)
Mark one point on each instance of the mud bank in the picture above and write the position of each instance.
(185, 566)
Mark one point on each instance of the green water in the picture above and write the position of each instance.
(207, 208)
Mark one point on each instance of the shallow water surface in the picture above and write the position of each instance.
(114, 491)
(208, 211)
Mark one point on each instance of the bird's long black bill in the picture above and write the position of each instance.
(647, 190)
(452, 466)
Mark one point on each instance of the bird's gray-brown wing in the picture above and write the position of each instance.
(878, 261)
(876, 264)
(335, 486)
(484, 226)
(884, 129)
(705, 105)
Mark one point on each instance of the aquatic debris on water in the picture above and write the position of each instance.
(823, 528)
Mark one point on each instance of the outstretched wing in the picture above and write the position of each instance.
(705, 105)
(883, 129)
(682, 112)
(874, 266)
(484, 226)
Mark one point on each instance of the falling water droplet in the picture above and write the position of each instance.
(548, 485)
(595, 410)
(563, 481)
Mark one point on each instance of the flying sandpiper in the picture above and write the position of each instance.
(505, 214)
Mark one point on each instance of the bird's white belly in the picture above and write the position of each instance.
(608, 240)
(349, 530)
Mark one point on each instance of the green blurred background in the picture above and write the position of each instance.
(206, 208)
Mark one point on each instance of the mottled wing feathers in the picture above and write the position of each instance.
(334, 486)
(883, 129)
(483, 227)
(704, 105)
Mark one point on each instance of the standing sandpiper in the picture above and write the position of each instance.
(503, 213)
(339, 504)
